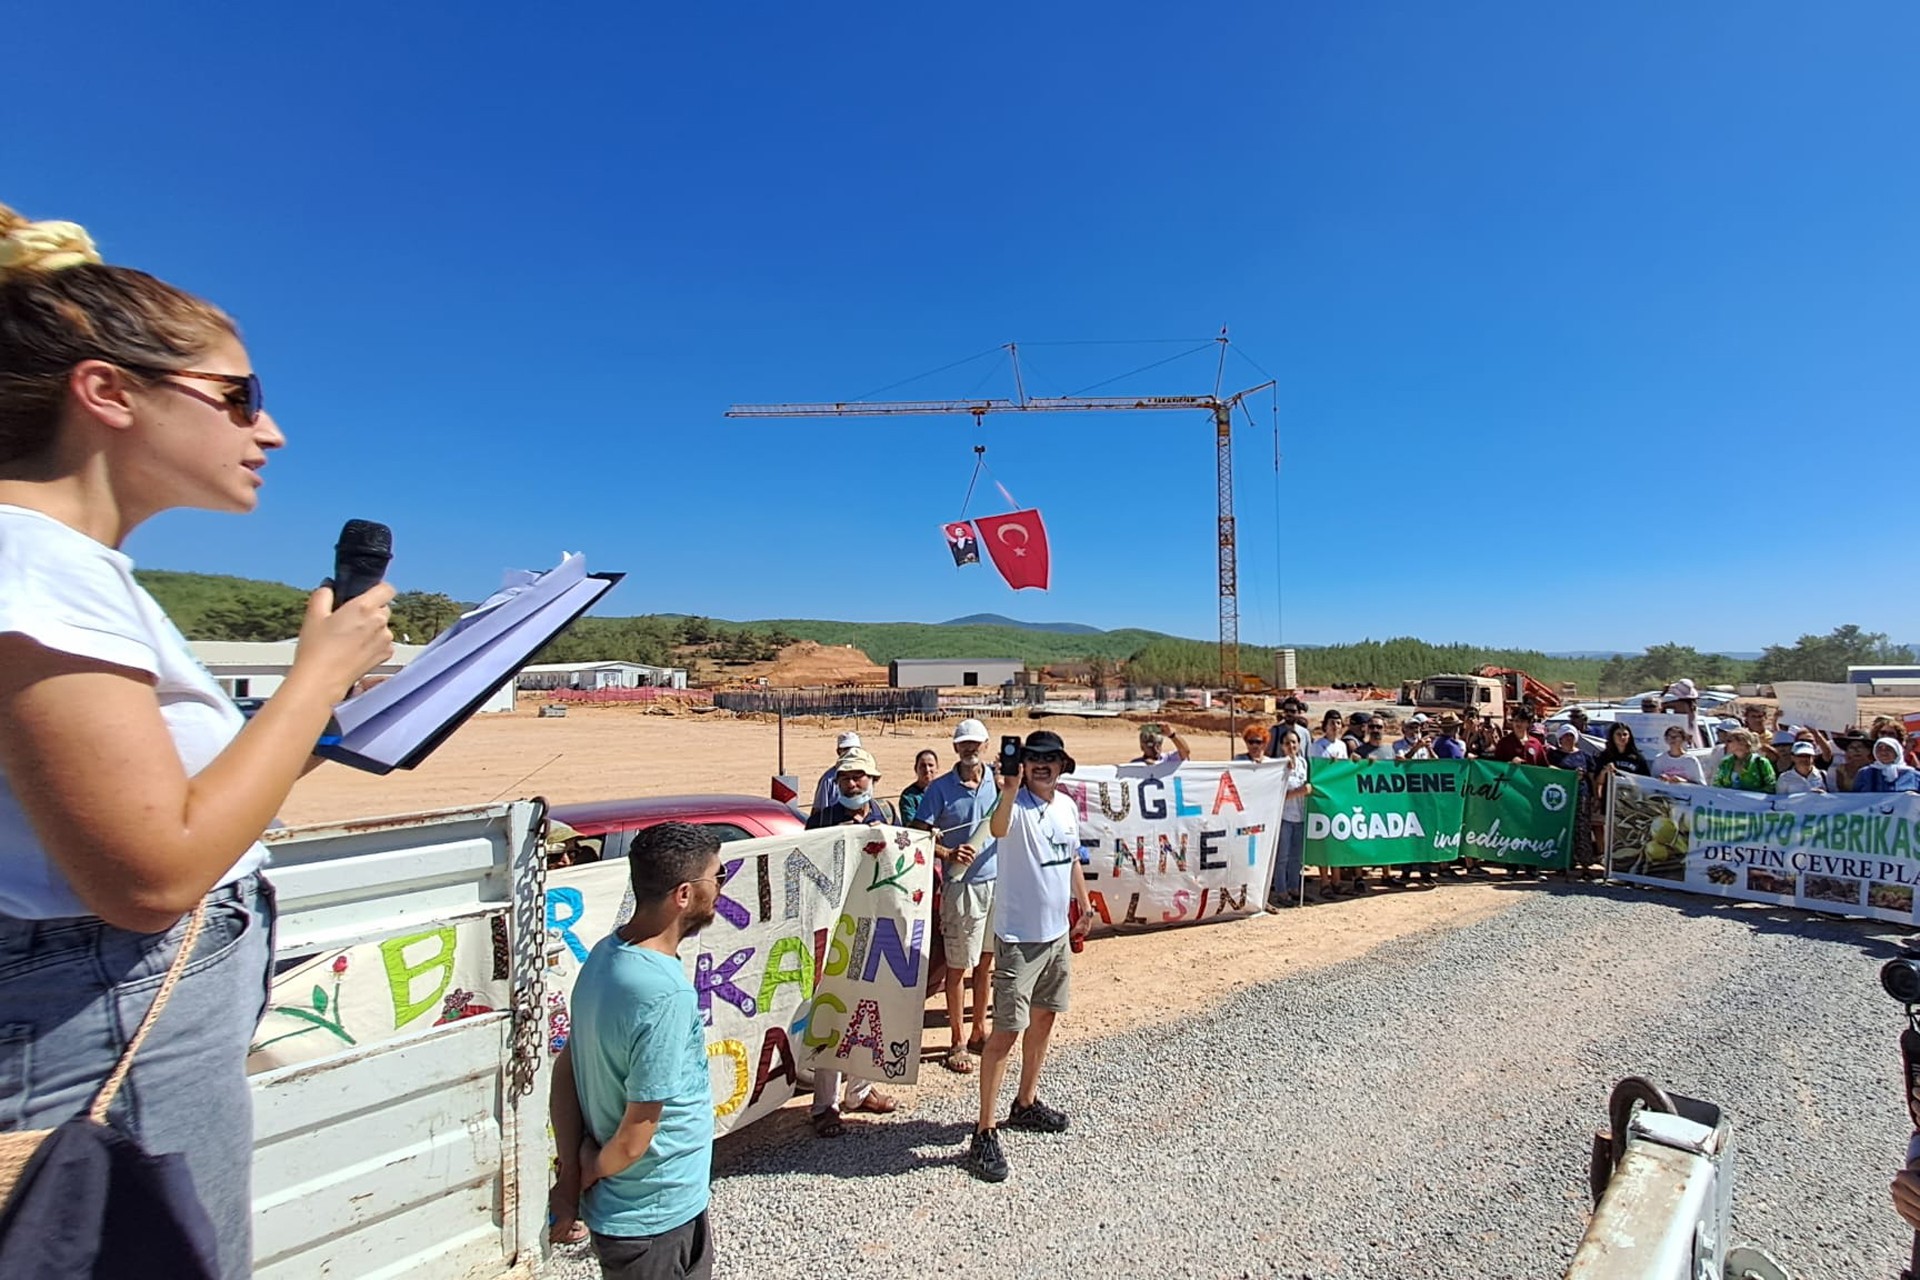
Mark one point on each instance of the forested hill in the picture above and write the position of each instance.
(212, 607)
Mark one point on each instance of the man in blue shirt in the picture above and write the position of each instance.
(956, 806)
(631, 1103)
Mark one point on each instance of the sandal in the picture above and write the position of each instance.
(827, 1124)
(958, 1061)
(877, 1103)
(977, 1045)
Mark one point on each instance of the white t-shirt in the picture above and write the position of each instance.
(1327, 749)
(1688, 767)
(67, 592)
(1039, 856)
(1294, 808)
(1790, 783)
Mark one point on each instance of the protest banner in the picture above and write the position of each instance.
(1378, 813)
(1163, 847)
(817, 956)
(1848, 854)
(1831, 707)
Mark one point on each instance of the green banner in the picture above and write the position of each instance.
(1377, 813)
(1520, 814)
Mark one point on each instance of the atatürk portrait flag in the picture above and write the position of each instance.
(960, 541)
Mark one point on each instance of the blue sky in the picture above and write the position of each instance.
(1595, 326)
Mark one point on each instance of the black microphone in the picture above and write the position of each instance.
(360, 559)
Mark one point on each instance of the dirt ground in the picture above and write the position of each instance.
(600, 752)
(613, 751)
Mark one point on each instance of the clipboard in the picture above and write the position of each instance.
(401, 721)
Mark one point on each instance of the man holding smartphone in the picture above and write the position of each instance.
(1037, 838)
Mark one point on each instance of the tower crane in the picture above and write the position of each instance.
(1221, 409)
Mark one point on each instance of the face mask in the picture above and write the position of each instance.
(857, 800)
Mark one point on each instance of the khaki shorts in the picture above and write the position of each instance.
(1029, 973)
(966, 923)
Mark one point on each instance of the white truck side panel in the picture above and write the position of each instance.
(415, 1156)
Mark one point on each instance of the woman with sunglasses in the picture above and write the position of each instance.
(1745, 768)
(132, 792)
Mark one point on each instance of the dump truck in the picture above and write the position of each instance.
(1491, 691)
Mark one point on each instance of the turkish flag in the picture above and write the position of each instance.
(1017, 542)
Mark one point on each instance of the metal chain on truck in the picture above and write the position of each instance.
(529, 930)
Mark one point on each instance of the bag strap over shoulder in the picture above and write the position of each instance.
(17, 1146)
(111, 1088)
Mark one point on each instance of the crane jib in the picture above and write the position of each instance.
(1222, 410)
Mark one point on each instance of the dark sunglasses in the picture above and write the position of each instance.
(243, 395)
(1047, 757)
(719, 878)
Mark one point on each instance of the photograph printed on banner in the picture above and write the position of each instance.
(1848, 854)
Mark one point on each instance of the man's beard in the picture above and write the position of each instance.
(694, 921)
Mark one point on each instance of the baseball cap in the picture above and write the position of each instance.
(1566, 731)
(1419, 717)
(1805, 749)
(1681, 690)
(847, 741)
(970, 731)
(858, 760)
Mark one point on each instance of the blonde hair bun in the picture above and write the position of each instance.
(42, 246)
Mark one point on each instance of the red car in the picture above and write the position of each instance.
(605, 828)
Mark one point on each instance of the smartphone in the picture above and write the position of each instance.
(1009, 754)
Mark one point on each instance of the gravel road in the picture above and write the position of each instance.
(1423, 1110)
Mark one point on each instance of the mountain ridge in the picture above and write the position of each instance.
(1002, 620)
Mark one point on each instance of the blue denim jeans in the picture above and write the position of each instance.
(1286, 858)
(72, 993)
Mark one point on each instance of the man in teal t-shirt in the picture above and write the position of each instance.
(632, 1108)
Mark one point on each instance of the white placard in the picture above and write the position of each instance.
(1650, 729)
(1831, 707)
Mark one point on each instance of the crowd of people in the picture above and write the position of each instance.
(1766, 754)
(630, 1105)
(630, 1102)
